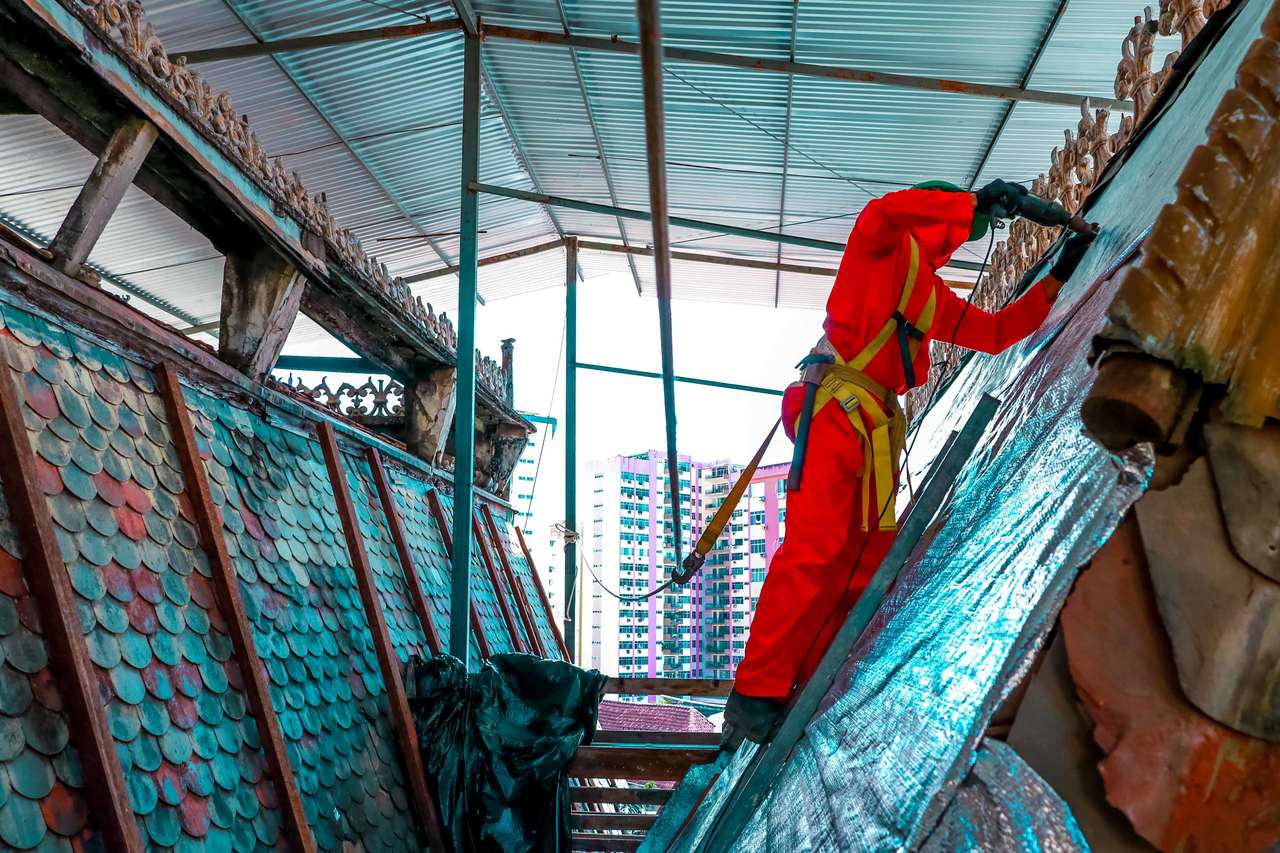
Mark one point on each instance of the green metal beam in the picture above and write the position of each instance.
(683, 222)
(647, 374)
(570, 442)
(327, 363)
(464, 419)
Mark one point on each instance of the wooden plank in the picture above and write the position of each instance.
(639, 738)
(226, 586)
(437, 512)
(542, 594)
(611, 820)
(668, 686)
(68, 655)
(114, 172)
(522, 600)
(421, 606)
(504, 606)
(644, 763)
(588, 841)
(397, 703)
(633, 796)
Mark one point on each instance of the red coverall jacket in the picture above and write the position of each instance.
(826, 559)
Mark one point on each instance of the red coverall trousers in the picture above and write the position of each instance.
(824, 564)
(826, 559)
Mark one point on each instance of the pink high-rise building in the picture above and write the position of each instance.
(698, 630)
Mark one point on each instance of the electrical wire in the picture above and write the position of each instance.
(561, 530)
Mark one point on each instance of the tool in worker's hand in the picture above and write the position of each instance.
(1051, 214)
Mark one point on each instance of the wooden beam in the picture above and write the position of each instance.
(442, 524)
(639, 738)
(397, 703)
(600, 841)
(503, 606)
(522, 601)
(226, 585)
(542, 594)
(668, 686)
(421, 606)
(619, 796)
(117, 165)
(611, 820)
(646, 763)
(76, 676)
(261, 293)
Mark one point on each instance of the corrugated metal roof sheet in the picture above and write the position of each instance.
(377, 126)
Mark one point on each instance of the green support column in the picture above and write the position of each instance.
(570, 440)
(464, 419)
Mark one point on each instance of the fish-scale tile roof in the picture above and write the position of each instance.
(171, 686)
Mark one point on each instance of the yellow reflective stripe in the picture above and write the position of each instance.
(909, 283)
(872, 349)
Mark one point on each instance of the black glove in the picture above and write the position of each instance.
(1077, 244)
(999, 198)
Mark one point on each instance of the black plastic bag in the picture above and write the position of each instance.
(495, 744)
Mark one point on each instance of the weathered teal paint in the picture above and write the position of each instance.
(464, 419)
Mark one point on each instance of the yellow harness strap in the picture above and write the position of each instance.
(850, 388)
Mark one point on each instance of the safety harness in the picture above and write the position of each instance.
(830, 379)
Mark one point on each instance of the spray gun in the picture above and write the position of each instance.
(1045, 212)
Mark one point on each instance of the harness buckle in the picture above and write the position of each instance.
(845, 399)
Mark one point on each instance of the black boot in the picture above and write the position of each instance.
(751, 717)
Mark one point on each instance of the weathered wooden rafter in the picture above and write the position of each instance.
(226, 584)
(112, 175)
(397, 703)
(103, 65)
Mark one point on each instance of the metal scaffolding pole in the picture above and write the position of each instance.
(570, 442)
(647, 374)
(683, 222)
(464, 419)
(650, 16)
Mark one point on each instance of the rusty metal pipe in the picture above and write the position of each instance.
(650, 17)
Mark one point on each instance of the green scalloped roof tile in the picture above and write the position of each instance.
(30, 774)
(45, 731)
(21, 823)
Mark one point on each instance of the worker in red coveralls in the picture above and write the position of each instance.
(886, 305)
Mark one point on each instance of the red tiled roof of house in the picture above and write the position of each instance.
(644, 717)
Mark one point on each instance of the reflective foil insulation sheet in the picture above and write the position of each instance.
(880, 768)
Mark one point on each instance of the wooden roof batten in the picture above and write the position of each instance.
(89, 67)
